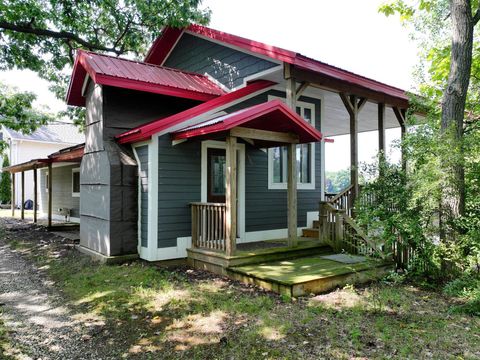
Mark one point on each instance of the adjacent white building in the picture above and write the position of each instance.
(39, 144)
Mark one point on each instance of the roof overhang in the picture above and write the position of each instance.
(269, 124)
(176, 121)
(85, 67)
(307, 69)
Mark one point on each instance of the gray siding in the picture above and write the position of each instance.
(62, 191)
(225, 64)
(179, 184)
(267, 209)
(142, 154)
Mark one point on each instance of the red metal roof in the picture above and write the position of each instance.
(144, 132)
(273, 115)
(163, 45)
(112, 71)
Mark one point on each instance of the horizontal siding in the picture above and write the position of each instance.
(142, 153)
(226, 65)
(179, 184)
(62, 191)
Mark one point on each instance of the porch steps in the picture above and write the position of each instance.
(307, 275)
(313, 231)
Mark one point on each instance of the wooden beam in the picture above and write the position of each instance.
(231, 195)
(273, 136)
(292, 194)
(22, 206)
(401, 115)
(50, 195)
(12, 197)
(325, 82)
(35, 195)
(381, 127)
(290, 87)
(303, 86)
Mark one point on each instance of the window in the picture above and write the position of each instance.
(76, 182)
(277, 157)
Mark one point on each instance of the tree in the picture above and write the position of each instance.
(42, 35)
(5, 183)
(449, 26)
(17, 112)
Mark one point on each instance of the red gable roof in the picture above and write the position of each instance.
(165, 43)
(108, 70)
(272, 116)
(144, 132)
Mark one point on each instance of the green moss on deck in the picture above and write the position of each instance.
(304, 243)
(301, 270)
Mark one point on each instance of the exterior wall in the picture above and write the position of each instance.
(226, 65)
(62, 191)
(22, 151)
(179, 184)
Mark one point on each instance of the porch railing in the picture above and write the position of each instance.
(208, 226)
(343, 200)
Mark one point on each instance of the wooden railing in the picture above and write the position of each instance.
(343, 200)
(208, 226)
(339, 230)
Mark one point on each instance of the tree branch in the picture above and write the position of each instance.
(476, 17)
(65, 35)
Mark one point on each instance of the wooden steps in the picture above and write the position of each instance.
(312, 232)
(307, 275)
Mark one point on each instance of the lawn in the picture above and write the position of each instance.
(143, 311)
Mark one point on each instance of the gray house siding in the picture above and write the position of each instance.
(267, 209)
(62, 191)
(179, 184)
(226, 65)
(142, 154)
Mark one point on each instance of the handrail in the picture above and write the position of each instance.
(208, 225)
(340, 194)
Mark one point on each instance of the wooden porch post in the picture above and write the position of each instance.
(401, 117)
(353, 104)
(12, 198)
(231, 195)
(50, 195)
(35, 195)
(291, 97)
(381, 135)
(22, 206)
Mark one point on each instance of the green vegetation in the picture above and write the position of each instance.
(5, 183)
(336, 181)
(183, 314)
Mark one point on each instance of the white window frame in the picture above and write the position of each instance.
(74, 171)
(300, 186)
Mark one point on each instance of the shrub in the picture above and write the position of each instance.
(5, 183)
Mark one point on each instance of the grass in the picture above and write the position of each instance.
(147, 312)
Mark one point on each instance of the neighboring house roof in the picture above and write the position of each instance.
(128, 74)
(271, 116)
(51, 133)
(162, 47)
(144, 132)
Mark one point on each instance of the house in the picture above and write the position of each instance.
(42, 142)
(214, 142)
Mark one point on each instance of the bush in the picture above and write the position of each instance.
(467, 289)
(5, 183)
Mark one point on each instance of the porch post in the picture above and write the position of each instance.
(231, 195)
(401, 117)
(35, 195)
(12, 197)
(381, 134)
(291, 97)
(50, 195)
(22, 206)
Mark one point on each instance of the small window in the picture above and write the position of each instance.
(76, 182)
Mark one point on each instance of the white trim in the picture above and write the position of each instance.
(76, 171)
(153, 198)
(259, 75)
(172, 48)
(142, 251)
(241, 179)
(174, 252)
(85, 84)
(300, 186)
(59, 217)
(311, 216)
(218, 83)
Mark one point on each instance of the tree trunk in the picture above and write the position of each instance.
(453, 107)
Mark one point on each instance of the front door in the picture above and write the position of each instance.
(216, 170)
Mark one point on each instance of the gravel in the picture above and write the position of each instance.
(40, 324)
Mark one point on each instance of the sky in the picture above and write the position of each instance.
(350, 34)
